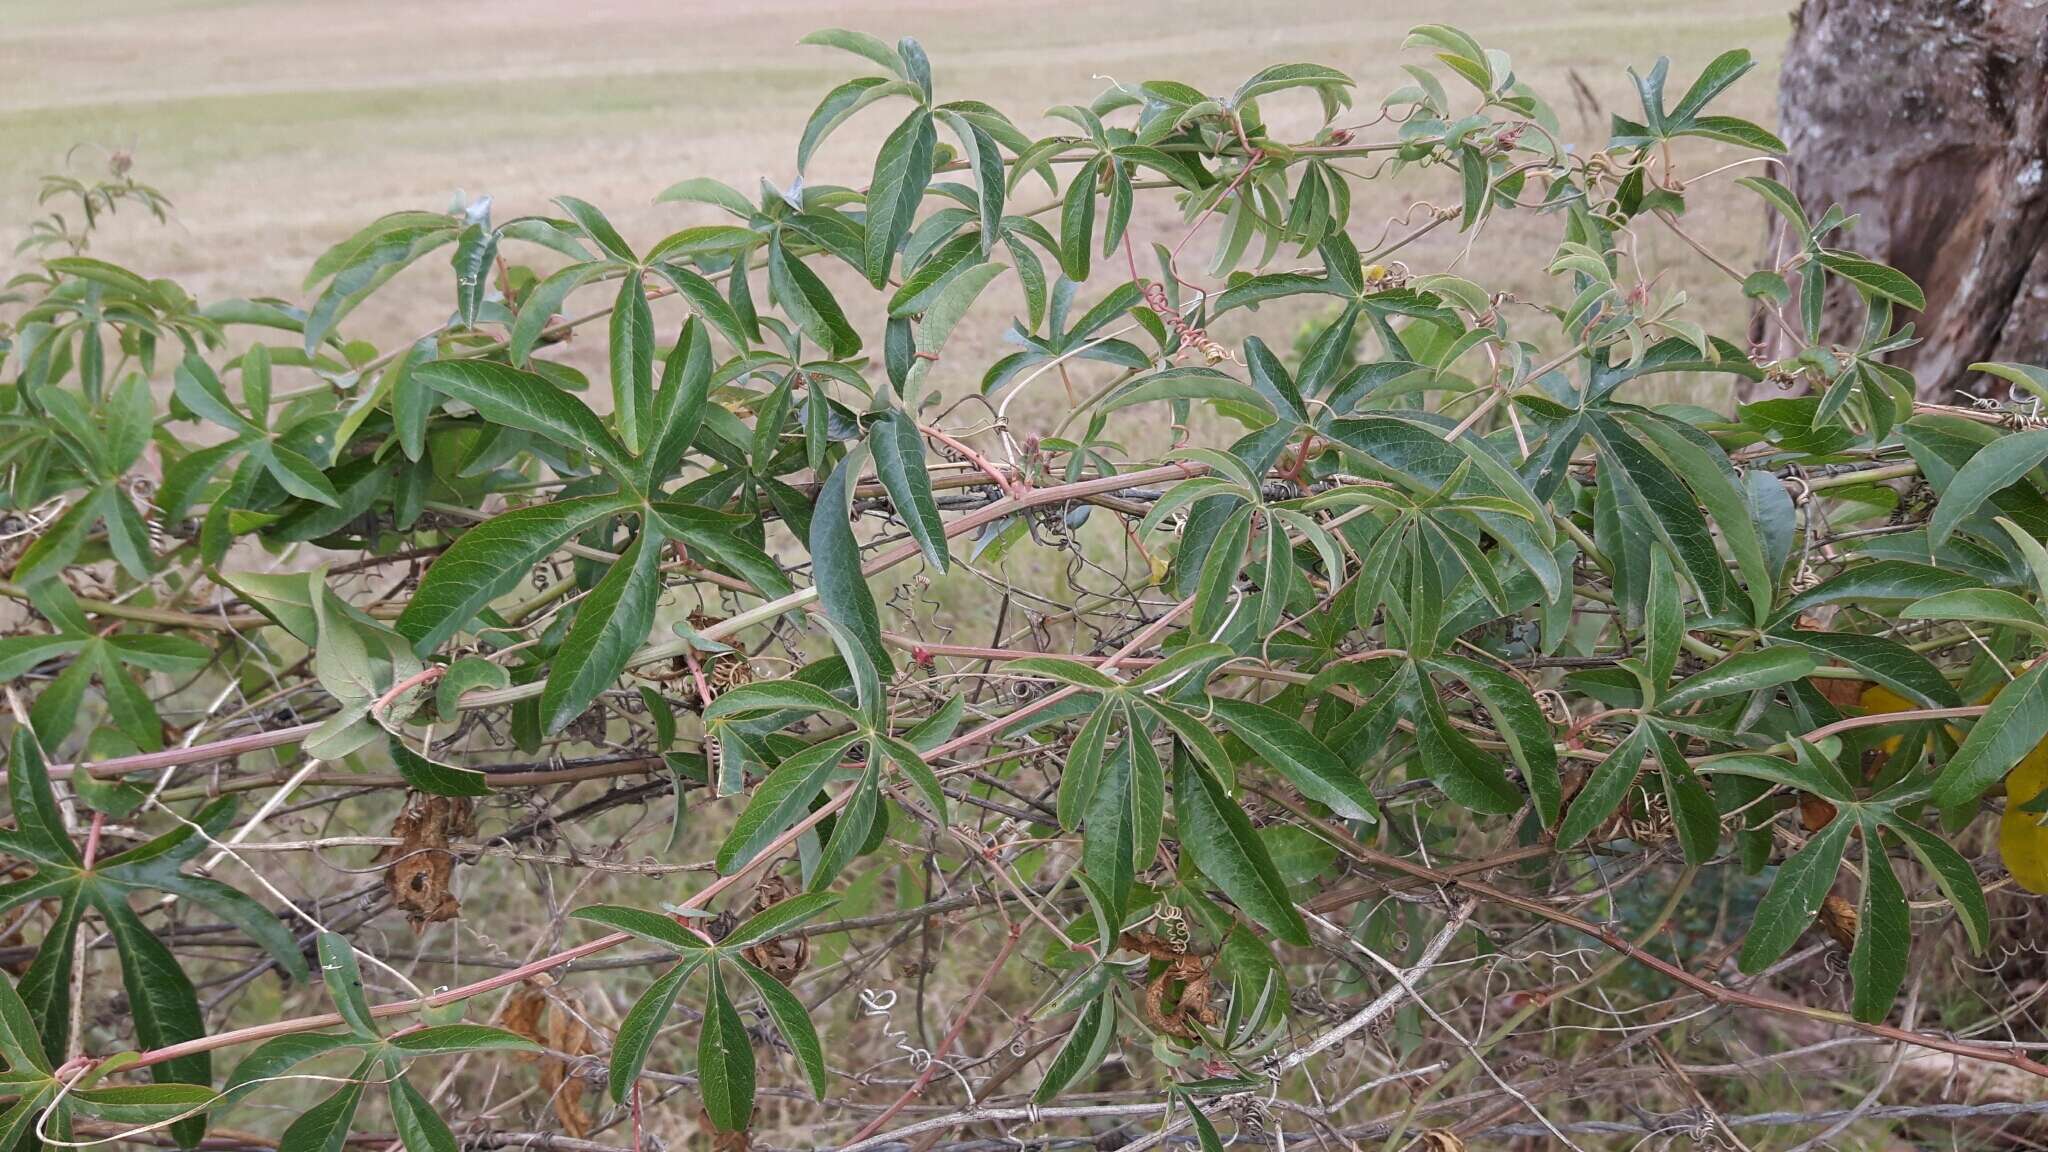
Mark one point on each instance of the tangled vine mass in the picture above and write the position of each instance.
(1401, 723)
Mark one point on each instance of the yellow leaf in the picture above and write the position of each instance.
(2022, 841)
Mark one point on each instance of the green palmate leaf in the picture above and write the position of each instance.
(595, 226)
(1884, 934)
(778, 918)
(446, 1039)
(910, 762)
(1281, 77)
(1065, 671)
(806, 300)
(20, 1044)
(1217, 835)
(986, 160)
(1082, 773)
(1605, 789)
(1742, 672)
(841, 103)
(792, 1021)
(298, 475)
(1464, 773)
(855, 825)
(725, 1062)
(543, 305)
(898, 449)
(1522, 726)
(424, 775)
(1872, 278)
(612, 622)
(60, 542)
(2031, 550)
(1206, 1136)
(466, 675)
(19, 654)
(505, 395)
(161, 1002)
(475, 250)
(714, 535)
(1306, 761)
(1671, 510)
(1820, 777)
(1721, 493)
(632, 360)
(1692, 810)
(1216, 593)
(39, 824)
(649, 926)
(836, 565)
(764, 697)
(18, 1122)
(678, 410)
(420, 1128)
(279, 1056)
(1795, 897)
(325, 1126)
(344, 981)
(902, 169)
(490, 560)
(860, 44)
(1191, 383)
(1110, 833)
(1988, 605)
(1952, 874)
(1899, 580)
(1083, 1049)
(2031, 377)
(637, 1031)
(941, 317)
(705, 190)
(922, 287)
(1077, 219)
(2015, 722)
(1883, 659)
(781, 800)
(137, 1105)
(2001, 464)
(1723, 71)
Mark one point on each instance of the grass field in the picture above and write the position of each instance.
(278, 128)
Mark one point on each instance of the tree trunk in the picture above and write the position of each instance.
(1928, 119)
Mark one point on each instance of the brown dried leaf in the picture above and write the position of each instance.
(1188, 975)
(782, 957)
(1838, 917)
(421, 866)
(1843, 694)
(552, 1018)
(740, 1141)
(1442, 1140)
(1814, 812)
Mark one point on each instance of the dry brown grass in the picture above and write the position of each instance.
(279, 128)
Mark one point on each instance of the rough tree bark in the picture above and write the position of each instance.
(1929, 120)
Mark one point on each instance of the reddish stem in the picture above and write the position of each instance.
(1014, 489)
(92, 839)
